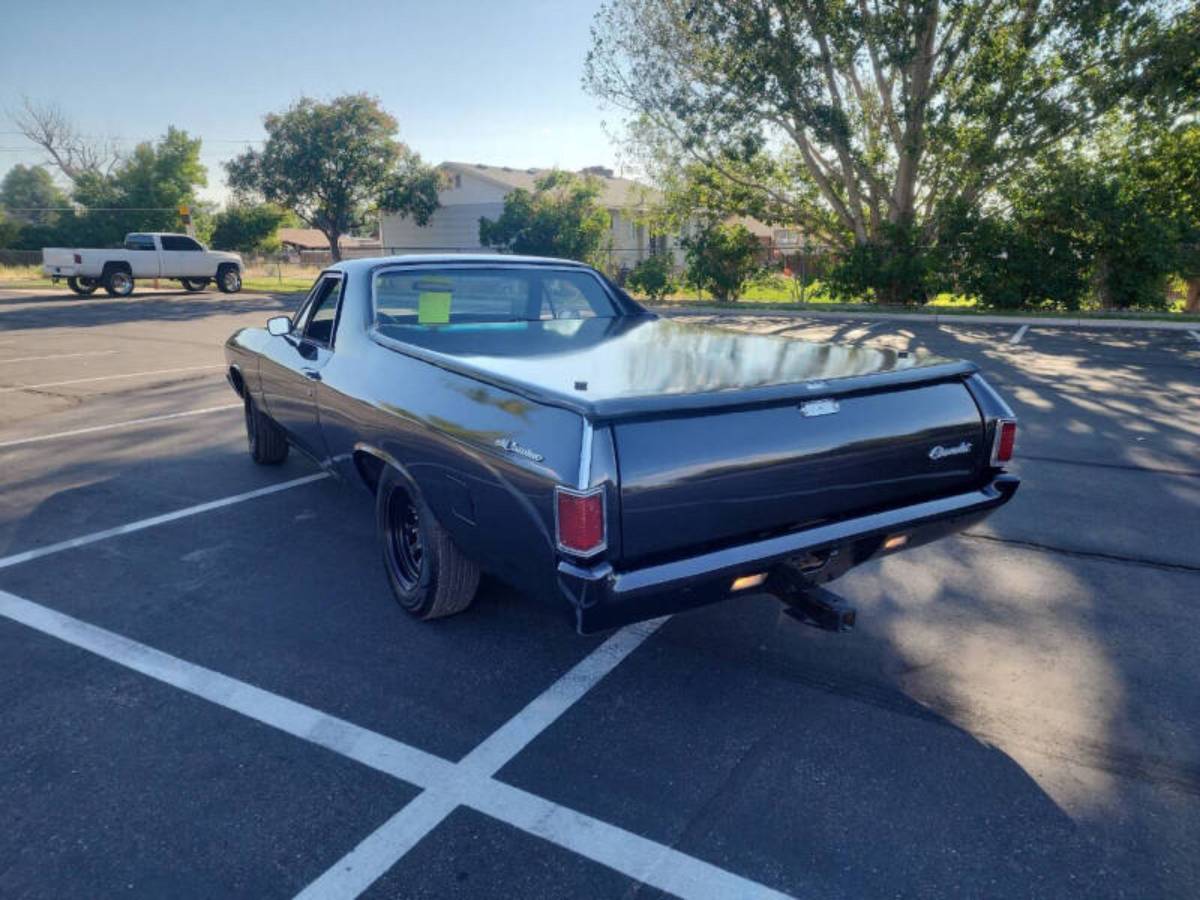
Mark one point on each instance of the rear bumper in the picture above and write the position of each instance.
(604, 598)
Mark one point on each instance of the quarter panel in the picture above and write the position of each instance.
(442, 428)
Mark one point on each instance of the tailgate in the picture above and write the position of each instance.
(702, 480)
(58, 258)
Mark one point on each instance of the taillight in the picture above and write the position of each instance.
(1005, 440)
(78, 258)
(579, 520)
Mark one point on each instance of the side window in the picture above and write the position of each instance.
(179, 242)
(322, 312)
(139, 242)
(566, 298)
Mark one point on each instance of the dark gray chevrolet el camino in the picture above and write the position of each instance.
(525, 417)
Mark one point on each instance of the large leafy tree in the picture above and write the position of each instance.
(248, 227)
(562, 216)
(28, 194)
(144, 191)
(331, 163)
(1167, 176)
(865, 121)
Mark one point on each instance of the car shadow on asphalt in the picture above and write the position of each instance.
(35, 312)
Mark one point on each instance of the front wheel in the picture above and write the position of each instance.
(429, 576)
(266, 441)
(83, 286)
(194, 284)
(229, 279)
(119, 283)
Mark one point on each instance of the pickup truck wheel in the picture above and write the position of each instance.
(267, 442)
(194, 284)
(229, 279)
(429, 576)
(83, 286)
(118, 283)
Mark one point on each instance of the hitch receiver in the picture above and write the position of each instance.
(819, 608)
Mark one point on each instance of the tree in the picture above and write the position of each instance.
(248, 227)
(1167, 175)
(46, 125)
(29, 195)
(329, 163)
(10, 233)
(561, 217)
(144, 191)
(866, 121)
(653, 277)
(721, 259)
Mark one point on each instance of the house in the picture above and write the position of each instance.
(473, 191)
(307, 243)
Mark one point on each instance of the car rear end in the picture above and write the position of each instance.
(685, 508)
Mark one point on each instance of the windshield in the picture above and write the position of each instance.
(449, 296)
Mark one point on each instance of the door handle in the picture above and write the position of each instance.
(313, 374)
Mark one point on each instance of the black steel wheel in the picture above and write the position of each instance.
(428, 574)
(404, 531)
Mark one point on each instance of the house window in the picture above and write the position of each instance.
(458, 181)
(658, 244)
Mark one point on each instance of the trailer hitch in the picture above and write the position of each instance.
(813, 605)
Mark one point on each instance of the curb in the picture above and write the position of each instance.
(936, 318)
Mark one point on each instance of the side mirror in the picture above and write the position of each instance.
(279, 325)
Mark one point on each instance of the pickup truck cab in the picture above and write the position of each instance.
(525, 417)
(144, 255)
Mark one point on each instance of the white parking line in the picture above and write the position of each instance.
(128, 423)
(445, 783)
(50, 384)
(383, 848)
(1195, 334)
(1020, 333)
(60, 356)
(143, 524)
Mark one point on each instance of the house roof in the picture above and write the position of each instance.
(615, 192)
(312, 239)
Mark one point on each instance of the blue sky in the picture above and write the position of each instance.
(493, 82)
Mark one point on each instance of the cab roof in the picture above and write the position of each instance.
(503, 259)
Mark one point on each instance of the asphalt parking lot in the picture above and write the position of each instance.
(207, 690)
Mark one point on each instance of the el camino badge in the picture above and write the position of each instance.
(940, 452)
(819, 408)
(513, 447)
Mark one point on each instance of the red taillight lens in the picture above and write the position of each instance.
(580, 520)
(1006, 439)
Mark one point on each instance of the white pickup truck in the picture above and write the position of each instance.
(146, 255)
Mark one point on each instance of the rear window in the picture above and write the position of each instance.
(139, 242)
(431, 296)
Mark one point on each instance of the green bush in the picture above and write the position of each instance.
(653, 276)
(721, 259)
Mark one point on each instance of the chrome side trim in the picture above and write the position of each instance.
(585, 455)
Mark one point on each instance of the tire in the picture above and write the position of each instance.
(118, 282)
(429, 576)
(229, 279)
(194, 284)
(266, 441)
(83, 286)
